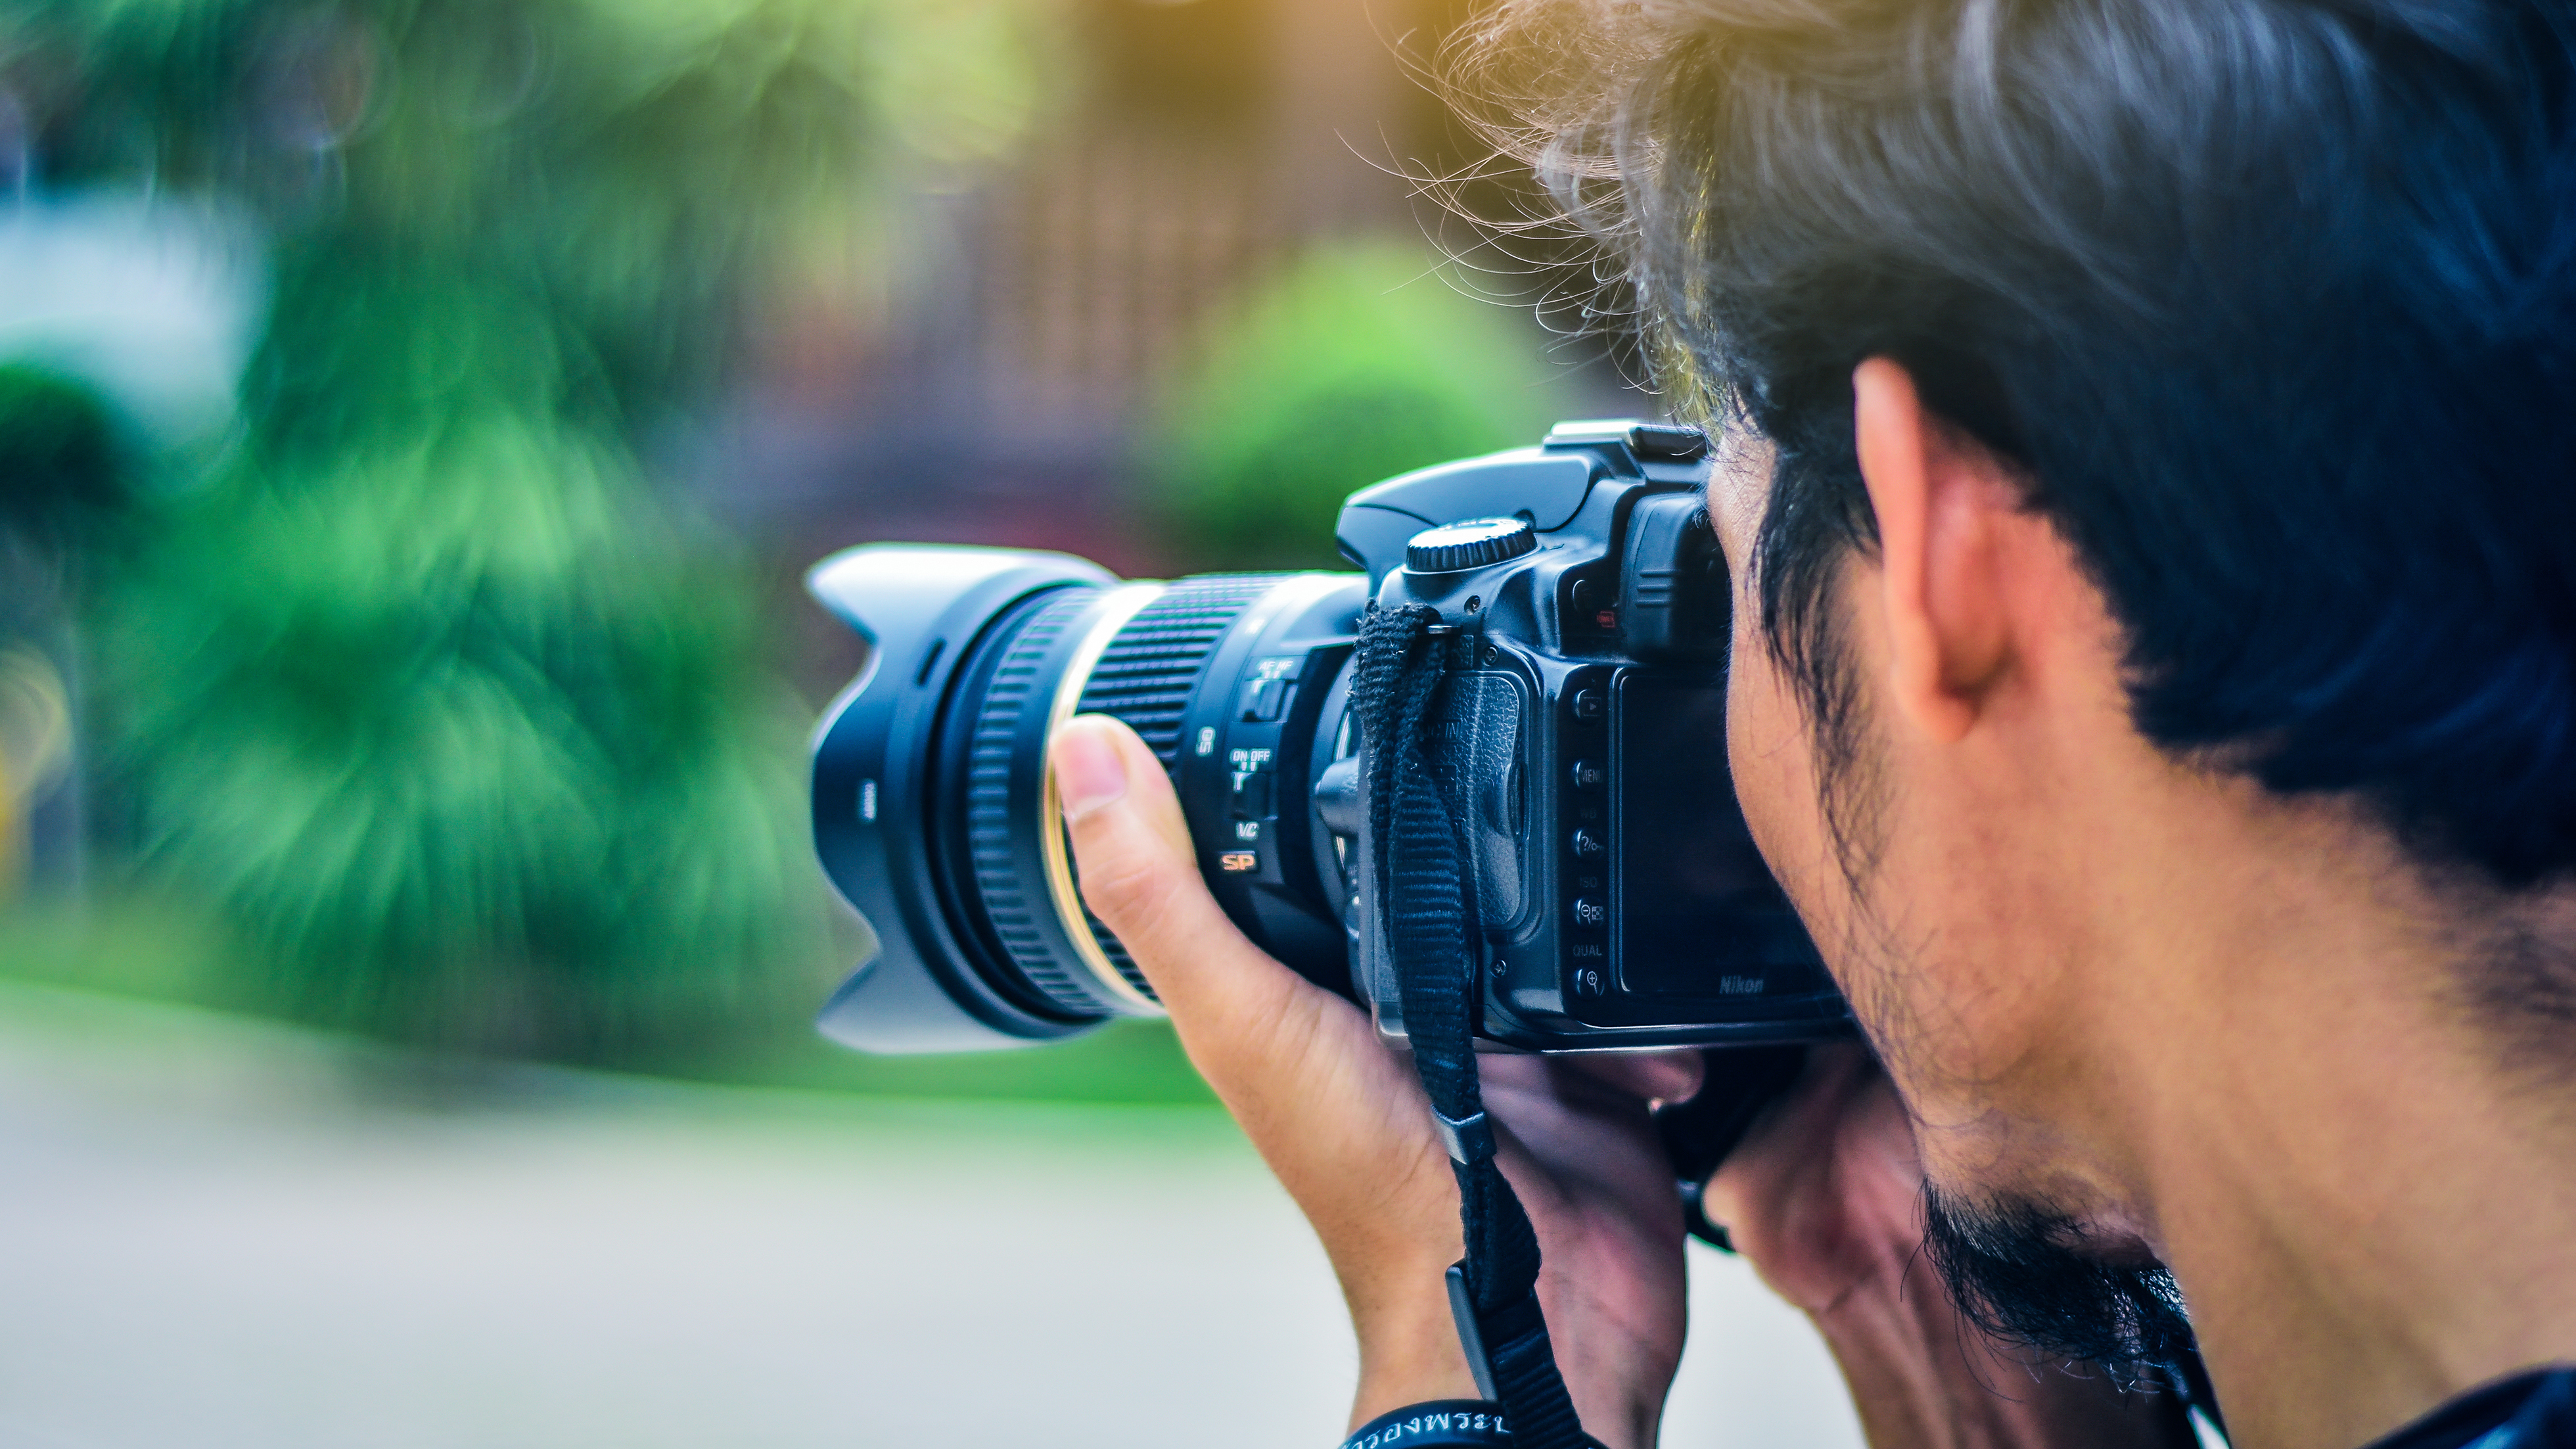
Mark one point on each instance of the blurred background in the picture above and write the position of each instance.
(415, 418)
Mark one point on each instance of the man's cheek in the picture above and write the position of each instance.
(1772, 759)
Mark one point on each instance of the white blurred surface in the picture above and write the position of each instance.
(155, 303)
(208, 1239)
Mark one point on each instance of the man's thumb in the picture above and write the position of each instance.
(1131, 845)
(1090, 768)
(1140, 876)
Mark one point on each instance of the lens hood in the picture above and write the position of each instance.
(922, 608)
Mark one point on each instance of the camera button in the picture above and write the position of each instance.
(1587, 843)
(1588, 775)
(1588, 911)
(1590, 704)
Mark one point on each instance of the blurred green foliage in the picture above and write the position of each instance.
(1354, 363)
(469, 734)
(62, 469)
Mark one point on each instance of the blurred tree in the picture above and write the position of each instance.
(1355, 363)
(62, 470)
(64, 477)
(472, 734)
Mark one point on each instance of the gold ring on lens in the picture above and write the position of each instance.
(1115, 611)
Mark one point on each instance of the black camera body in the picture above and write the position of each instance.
(1623, 901)
(1582, 738)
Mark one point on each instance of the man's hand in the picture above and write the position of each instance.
(1824, 1196)
(1342, 1121)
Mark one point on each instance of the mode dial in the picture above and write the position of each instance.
(1469, 544)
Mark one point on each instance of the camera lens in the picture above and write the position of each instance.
(1137, 653)
(1228, 678)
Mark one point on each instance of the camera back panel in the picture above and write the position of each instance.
(1623, 901)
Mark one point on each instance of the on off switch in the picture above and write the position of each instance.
(1252, 794)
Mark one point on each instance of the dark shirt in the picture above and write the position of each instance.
(2528, 1411)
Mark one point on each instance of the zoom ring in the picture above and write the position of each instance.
(1152, 667)
(1148, 673)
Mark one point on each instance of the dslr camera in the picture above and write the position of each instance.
(1620, 900)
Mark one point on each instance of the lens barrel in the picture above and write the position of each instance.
(966, 844)
(1138, 652)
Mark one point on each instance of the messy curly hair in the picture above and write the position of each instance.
(2272, 302)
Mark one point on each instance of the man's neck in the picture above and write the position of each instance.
(2368, 1207)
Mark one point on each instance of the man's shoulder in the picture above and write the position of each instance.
(2535, 1410)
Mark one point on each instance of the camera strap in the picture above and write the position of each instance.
(1426, 894)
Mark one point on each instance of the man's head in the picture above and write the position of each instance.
(2153, 475)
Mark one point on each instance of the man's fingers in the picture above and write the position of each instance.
(1141, 877)
(1334, 1113)
(1670, 1076)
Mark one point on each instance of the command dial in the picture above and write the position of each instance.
(1469, 544)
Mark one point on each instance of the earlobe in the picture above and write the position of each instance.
(1933, 587)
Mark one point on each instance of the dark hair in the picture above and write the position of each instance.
(2272, 301)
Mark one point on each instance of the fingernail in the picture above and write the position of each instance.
(1089, 771)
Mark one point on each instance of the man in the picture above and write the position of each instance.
(2150, 482)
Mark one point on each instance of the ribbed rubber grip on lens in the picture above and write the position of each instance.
(1148, 673)
(1151, 667)
(1012, 902)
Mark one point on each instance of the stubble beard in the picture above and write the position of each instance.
(2021, 1272)
(2027, 1275)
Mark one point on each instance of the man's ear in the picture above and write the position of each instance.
(1947, 510)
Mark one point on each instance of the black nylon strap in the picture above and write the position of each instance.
(1426, 895)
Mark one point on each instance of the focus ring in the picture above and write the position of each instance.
(1145, 673)
(1016, 699)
